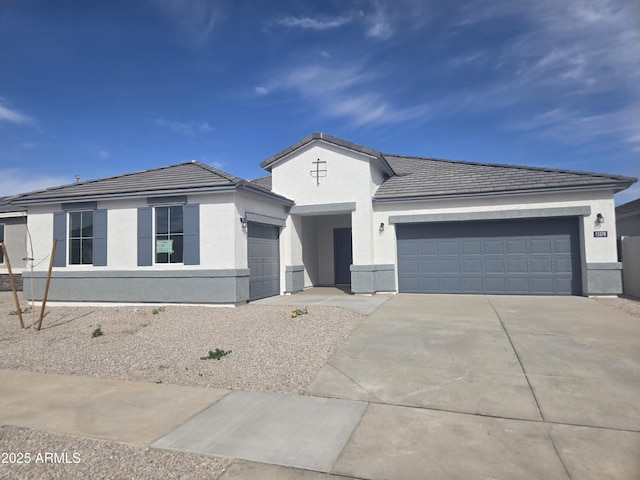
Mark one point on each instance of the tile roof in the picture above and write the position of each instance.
(268, 163)
(419, 177)
(7, 207)
(264, 182)
(187, 177)
(629, 208)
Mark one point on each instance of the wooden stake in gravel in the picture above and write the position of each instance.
(46, 287)
(13, 284)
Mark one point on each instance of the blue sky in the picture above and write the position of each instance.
(98, 88)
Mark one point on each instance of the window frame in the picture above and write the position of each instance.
(169, 234)
(71, 238)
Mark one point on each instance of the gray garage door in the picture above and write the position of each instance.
(264, 260)
(524, 257)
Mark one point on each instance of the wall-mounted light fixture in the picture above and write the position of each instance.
(243, 221)
(599, 219)
(381, 227)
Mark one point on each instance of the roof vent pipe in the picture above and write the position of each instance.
(77, 178)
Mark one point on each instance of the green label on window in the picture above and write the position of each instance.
(164, 246)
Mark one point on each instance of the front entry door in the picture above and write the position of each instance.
(342, 256)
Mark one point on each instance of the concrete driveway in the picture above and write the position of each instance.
(491, 387)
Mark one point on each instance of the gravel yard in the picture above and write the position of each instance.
(84, 458)
(270, 351)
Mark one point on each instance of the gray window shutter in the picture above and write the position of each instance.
(191, 234)
(100, 238)
(145, 240)
(60, 234)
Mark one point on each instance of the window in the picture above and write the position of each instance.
(169, 234)
(81, 238)
(1, 240)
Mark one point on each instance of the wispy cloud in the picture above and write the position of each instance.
(195, 18)
(310, 23)
(373, 19)
(103, 154)
(10, 115)
(559, 65)
(14, 181)
(345, 92)
(378, 22)
(261, 91)
(189, 129)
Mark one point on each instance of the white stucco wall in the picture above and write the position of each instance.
(223, 242)
(350, 177)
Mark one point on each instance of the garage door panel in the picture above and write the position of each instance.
(540, 265)
(516, 246)
(542, 285)
(449, 265)
(428, 248)
(517, 265)
(561, 245)
(562, 265)
(494, 265)
(493, 247)
(540, 245)
(471, 247)
(508, 257)
(471, 265)
(495, 285)
(448, 248)
(429, 266)
(451, 284)
(517, 285)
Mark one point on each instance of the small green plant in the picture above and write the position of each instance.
(298, 312)
(22, 310)
(158, 310)
(97, 332)
(159, 381)
(217, 355)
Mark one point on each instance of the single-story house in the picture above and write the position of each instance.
(13, 232)
(330, 212)
(628, 219)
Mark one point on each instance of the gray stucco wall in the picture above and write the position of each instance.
(367, 279)
(161, 286)
(294, 278)
(603, 279)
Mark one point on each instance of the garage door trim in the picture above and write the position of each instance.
(493, 215)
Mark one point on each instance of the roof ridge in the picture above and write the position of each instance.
(508, 165)
(217, 171)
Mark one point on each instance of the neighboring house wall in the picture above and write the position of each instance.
(14, 232)
(629, 225)
(601, 271)
(631, 265)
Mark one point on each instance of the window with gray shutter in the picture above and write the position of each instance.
(60, 234)
(192, 234)
(145, 236)
(100, 238)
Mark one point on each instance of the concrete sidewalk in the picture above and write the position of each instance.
(434, 387)
(329, 296)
